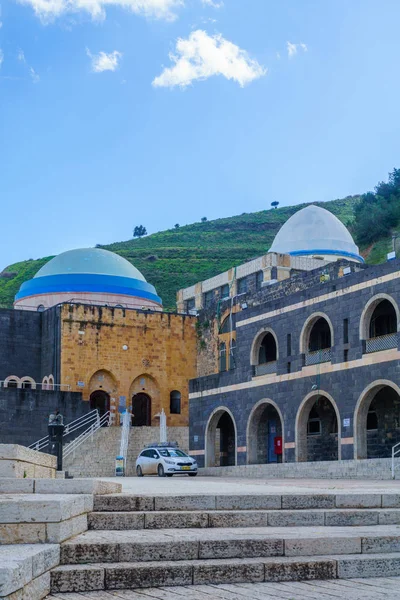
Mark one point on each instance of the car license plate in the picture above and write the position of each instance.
(185, 468)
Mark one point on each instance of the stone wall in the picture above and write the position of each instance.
(19, 462)
(133, 351)
(24, 413)
(20, 344)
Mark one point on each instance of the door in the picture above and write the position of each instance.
(272, 457)
(153, 461)
(141, 410)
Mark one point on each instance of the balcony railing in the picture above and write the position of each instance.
(318, 356)
(265, 368)
(382, 342)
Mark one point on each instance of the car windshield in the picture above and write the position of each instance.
(171, 452)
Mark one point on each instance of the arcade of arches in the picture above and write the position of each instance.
(264, 431)
(221, 440)
(317, 430)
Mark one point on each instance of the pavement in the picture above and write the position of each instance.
(184, 485)
(343, 589)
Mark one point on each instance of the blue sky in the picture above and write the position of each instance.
(93, 144)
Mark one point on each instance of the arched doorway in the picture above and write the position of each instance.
(377, 420)
(141, 410)
(264, 426)
(318, 429)
(100, 400)
(221, 439)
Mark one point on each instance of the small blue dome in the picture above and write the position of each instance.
(89, 271)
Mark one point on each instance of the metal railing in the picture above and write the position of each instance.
(382, 342)
(265, 368)
(87, 420)
(125, 428)
(318, 356)
(395, 453)
(103, 421)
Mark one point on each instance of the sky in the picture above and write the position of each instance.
(116, 113)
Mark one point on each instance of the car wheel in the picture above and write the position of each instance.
(192, 474)
(160, 471)
(139, 471)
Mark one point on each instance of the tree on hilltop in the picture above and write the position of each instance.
(139, 231)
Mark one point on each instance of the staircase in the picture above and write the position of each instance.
(152, 541)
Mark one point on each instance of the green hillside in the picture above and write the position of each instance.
(180, 257)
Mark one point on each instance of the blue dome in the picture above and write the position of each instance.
(314, 230)
(89, 271)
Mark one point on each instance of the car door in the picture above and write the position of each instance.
(153, 461)
(144, 462)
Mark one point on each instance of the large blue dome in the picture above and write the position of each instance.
(88, 274)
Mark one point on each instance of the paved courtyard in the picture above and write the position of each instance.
(181, 484)
(350, 589)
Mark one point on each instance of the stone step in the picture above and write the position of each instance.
(114, 576)
(300, 501)
(243, 518)
(192, 544)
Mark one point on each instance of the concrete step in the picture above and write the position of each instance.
(242, 518)
(192, 544)
(299, 501)
(113, 576)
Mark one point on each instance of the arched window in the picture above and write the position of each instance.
(316, 339)
(264, 353)
(11, 383)
(222, 357)
(51, 382)
(383, 320)
(226, 325)
(267, 351)
(232, 355)
(320, 336)
(175, 402)
(28, 383)
(41, 308)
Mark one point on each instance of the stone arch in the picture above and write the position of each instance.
(361, 415)
(103, 380)
(45, 383)
(256, 345)
(329, 448)
(226, 453)
(369, 309)
(28, 383)
(51, 382)
(257, 432)
(307, 328)
(12, 379)
(147, 385)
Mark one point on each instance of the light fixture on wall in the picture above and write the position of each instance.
(124, 347)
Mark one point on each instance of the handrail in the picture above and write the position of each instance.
(93, 415)
(395, 452)
(126, 425)
(103, 421)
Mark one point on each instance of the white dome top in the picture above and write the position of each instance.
(93, 261)
(314, 230)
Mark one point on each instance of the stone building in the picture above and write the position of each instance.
(304, 358)
(88, 332)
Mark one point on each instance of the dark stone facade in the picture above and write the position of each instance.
(350, 371)
(24, 413)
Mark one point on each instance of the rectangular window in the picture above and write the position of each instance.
(346, 355)
(242, 285)
(345, 331)
(224, 291)
(259, 280)
(314, 427)
(208, 298)
(190, 304)
(289, 367)
(289, 344)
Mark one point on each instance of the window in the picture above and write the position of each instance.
(41, 308)
(224, 291)
(289, 344)
(314, 423)
(175, 403)
(27, 385)
(345, 331)
(227, 325)
(12, 383)
(208, 298)
(242, 285)
(259, 280)
(383, 320)
(372, 420)
(345, 355)
(289, 367)
(232, 355)
(320, 336)
(222, 357)
(268, 350)
(190, 304)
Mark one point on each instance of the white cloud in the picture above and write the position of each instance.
(293, 49)
(1, 57)
(213, 3)
(21, 56)
(103, 61)
(48, 10)
(34, 76)
(202, 56)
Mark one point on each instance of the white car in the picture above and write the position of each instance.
(164, 461)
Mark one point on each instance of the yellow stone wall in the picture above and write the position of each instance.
(124, 352)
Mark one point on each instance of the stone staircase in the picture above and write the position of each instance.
(96, 456)
(169, 540)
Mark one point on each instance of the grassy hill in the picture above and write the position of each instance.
(180, 257)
